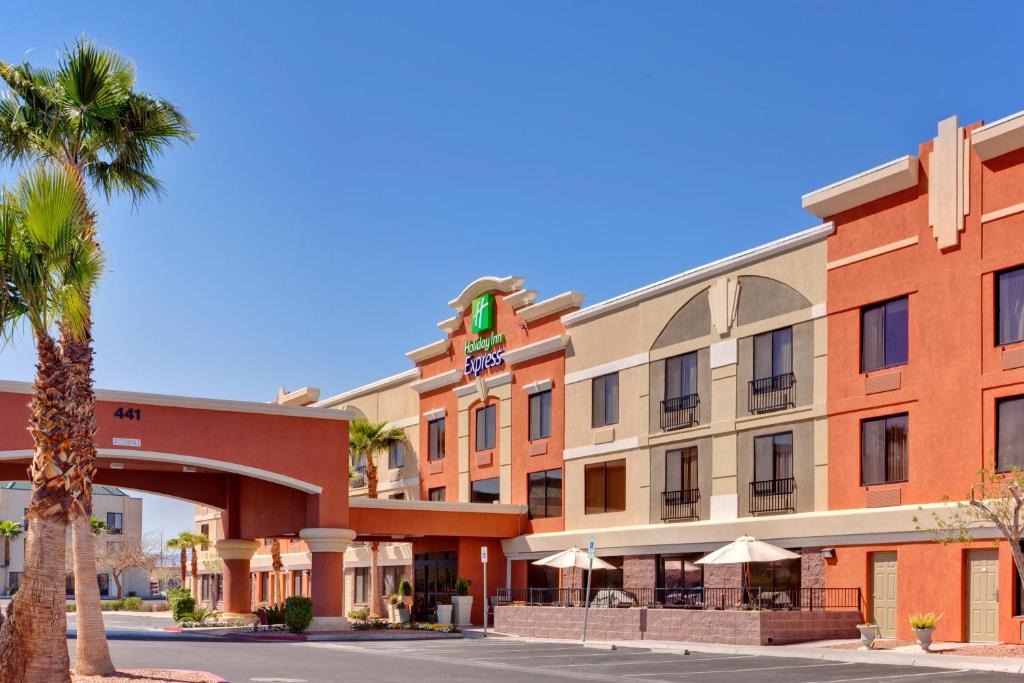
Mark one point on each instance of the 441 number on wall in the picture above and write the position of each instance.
(128, 413)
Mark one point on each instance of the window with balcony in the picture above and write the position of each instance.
(1010, 306)
(681, 405)
(605, 400)
(115, 522)
(604, 487)
(1010, 433)
(485, 490)
(545, 493)
(774, 487)
(883, 335)
(486, 421)
(772, 386)
(681, 497)
(435, 439)
(883, 450)
(540, 415)
(357, 475)
(436, 495)
(396, 456)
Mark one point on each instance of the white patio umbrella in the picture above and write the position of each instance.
(573, 557)
(747, 549)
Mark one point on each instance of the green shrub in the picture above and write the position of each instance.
(112, 605)
(183, 607)
(298, 613)
(461, 586)
(360, 614)
(404, 588)
(924, 620)
(275, 614)
(175, 594)
(132, 604)
(201, 615)
(71, 607)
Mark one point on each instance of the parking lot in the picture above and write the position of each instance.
(494, 659)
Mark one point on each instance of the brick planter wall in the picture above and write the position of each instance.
(729, 627)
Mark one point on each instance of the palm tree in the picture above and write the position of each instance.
(9, 531)
(87, 115)
(277, 565)
(369, 439)
(48, 270)
(180, 543)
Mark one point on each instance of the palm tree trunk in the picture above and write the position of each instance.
(374, 584)
(92, 655)
(184, 561)
(371, 476)
(195, 573)
(33, 638)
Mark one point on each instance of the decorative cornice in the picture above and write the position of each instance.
(699, 274)
(236, 548)
(999, 137)
(196, 403)
(537, 387)
(436, 382)
(549, 306)
(372, 387)
(405, 422)
(509, 283)
(607, 368)
(451, 325)
(537, 349)
(435, 414)
(431, 350)
(601, 448)
(871, 253)
(524, 297)
(489, 382)
(328, 540)
(874, 183)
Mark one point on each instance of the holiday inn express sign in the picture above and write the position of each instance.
(482, 319)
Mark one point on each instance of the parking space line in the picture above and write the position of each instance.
(885, 678)
(645, 662)
(733, 671)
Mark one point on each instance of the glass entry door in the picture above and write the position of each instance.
(434, 583)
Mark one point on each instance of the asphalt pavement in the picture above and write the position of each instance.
(501, 660)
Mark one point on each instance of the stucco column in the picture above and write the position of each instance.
(235, 554)
(327, 576)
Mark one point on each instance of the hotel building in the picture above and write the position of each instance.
(819, 392)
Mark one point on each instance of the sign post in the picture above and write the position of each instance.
(590, 573)
(483, 561)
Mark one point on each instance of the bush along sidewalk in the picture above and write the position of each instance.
(133, 604)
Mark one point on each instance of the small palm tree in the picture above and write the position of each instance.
(87, 116)
(370, 439)
(277, 565)
(48, 270)
(9, 531)
(180, 543)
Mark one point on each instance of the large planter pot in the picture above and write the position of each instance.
(463, 606)
(868, 634)
(391, 613)
(444, 614)
(401, 614)
(924, 637)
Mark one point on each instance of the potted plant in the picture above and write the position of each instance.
(462, 601)
(444, 613)
(923, 625)
(401, 613)
(405, 592)
(392, 604)
(868, 633)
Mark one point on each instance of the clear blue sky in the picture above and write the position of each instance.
(358, 164)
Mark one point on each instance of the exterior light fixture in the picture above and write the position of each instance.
(188, 468)
(117, 465)
(828, 553)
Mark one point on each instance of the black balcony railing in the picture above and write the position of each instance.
(679, 412)
(357, 481)
(771, 393)
(774, 495)
(687, 598)
(683, 504)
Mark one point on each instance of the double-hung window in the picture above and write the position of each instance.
(396, 456)
(435, 439)
(545, 493)
(773, 458)
(604, 487)
(1010, 306)
(1010, 433)
(605, 400)
(486, 419)
(883, 449)
(540, 415)
(883, 335)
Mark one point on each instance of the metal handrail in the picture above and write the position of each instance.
(680, 412)
(704, 598)
(683, 504)
(773, 495)
(771, 393)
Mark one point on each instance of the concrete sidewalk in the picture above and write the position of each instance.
(804, 651)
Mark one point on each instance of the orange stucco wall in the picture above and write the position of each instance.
(950, 383)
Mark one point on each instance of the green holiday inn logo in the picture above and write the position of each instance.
(483, 313)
